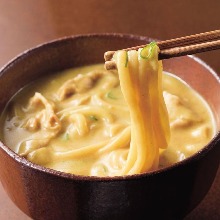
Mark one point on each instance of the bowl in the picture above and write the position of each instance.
(169, 193)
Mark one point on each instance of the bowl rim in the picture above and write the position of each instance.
(24, 162)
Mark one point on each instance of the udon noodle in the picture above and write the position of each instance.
(140, 75)
(89, 121)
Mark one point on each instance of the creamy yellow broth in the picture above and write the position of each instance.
(78, 122)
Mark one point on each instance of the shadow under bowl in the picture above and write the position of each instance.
(168, 193)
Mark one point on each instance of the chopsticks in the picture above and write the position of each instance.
(177, 47)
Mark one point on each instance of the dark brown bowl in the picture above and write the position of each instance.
(43, 193)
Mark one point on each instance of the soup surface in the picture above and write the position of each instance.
(78, 122)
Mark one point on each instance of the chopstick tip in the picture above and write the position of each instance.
(110, 65)
(108, 55)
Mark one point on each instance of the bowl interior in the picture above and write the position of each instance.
(89, 49)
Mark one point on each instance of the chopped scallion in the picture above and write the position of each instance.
(126, 61)
(110, 95)
(147, 49)
(93, 117)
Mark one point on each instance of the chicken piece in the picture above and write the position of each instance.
(79, 84)
(44, 117)
(180, 115)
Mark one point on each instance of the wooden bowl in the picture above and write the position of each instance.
(168, 193)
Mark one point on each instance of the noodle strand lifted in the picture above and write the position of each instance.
(140, 75)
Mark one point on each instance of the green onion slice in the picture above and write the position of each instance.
(110, 95)
(147, 50)
(93, 117)
(126, 61)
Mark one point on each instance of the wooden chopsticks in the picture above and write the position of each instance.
(177, 47)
